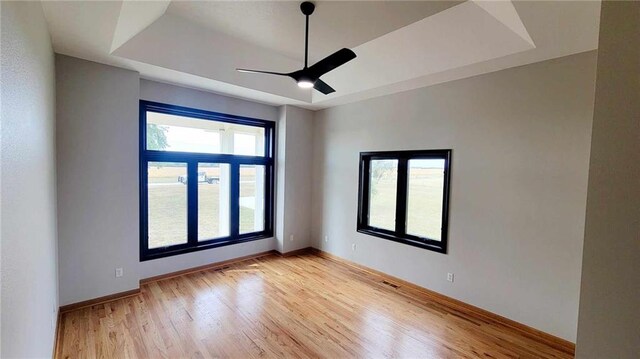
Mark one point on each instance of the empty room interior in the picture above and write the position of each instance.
(320, 179)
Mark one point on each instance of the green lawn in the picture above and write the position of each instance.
(167, 208)
(424, 205)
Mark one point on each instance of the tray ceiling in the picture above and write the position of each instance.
(400, 45)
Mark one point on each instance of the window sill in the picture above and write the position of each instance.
(151, 254)
(434, 246)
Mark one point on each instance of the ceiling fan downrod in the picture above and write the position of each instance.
(307, 8)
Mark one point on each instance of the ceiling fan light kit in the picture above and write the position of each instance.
(305, 84)
(309, 76)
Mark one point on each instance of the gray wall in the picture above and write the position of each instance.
(295, 138)
(183, 96)
(28, 225)
(520, 140)
(281, 135)
(97, 160)
(609, 321)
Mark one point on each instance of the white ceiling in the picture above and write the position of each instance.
(279, 25)
(400, 45)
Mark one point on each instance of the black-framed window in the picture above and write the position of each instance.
(206, 179)
(404, 197)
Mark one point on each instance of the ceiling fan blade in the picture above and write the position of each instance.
(323, 87)
(261, 72)
(332, 61)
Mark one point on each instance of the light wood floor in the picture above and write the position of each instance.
(302, 306)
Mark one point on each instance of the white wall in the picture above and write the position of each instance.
(29, 249)
(609, 321)
(175, 95)
(520, 140)
(97, 160)
(293, 212)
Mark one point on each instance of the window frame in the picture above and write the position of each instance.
(399, 234)
(192, 159)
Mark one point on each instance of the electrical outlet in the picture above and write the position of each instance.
(326, 239)
(450, 277)
(353, 247)
(119, 272)
(291, 238)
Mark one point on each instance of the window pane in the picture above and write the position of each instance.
(382, 195)
(245, 144)
(252, 179)
(167, 203)
(184, 134)
(213, 200)
(424, 198)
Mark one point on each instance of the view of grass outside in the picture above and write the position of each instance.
(382, 197)
(167, 204)
(424, 196)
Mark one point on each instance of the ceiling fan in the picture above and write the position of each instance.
(309, 76)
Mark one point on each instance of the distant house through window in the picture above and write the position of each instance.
(206, 179)
(404, 196)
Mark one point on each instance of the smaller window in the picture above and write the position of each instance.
(404, 197)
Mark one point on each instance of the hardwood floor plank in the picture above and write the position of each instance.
(301, 306)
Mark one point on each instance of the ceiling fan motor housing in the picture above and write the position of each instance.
(307, 8)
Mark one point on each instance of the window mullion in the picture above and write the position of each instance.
(192, 202)
(234, 198)
(267, 143)
(401, 197)
(268, 208)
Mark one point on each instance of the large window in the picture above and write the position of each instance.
(404, 197)
(206, 179)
